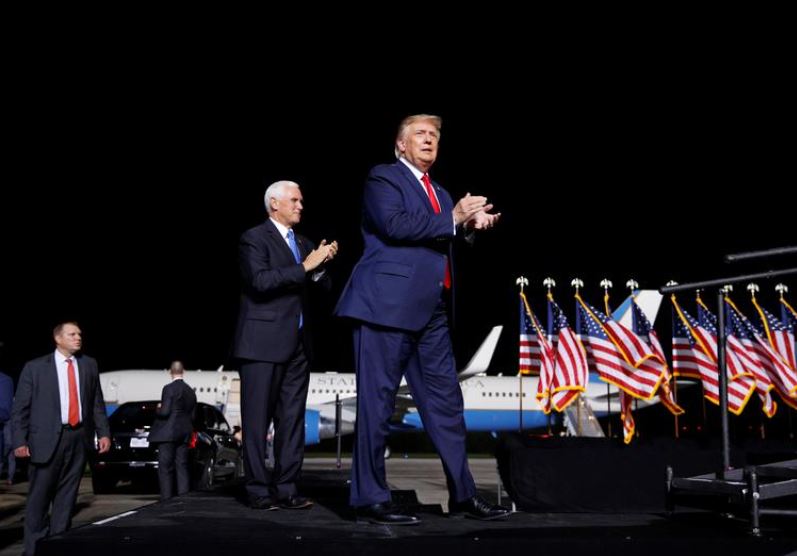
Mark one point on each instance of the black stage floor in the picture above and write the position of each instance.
(217, 523)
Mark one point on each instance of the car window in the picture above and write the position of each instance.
(133, 415)
(221, 422)
(208, 419)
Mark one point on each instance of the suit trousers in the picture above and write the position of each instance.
(173, 462)
(278, 392)
(382, 357)
(56, 482)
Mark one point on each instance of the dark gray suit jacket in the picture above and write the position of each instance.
(174, 418)
(36, 416)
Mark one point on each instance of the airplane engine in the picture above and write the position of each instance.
(318, 427)
(312, 427)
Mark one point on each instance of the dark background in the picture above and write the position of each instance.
(127, 191)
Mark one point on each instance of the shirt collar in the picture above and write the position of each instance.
(415, 172)
(283, 230)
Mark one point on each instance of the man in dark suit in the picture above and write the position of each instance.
(57, 409)
(398, 295)
(271, 342)
(6, 401)
(171, 431)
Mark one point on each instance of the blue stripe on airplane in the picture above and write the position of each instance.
(489, 421)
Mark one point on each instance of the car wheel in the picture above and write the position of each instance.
(206, 480)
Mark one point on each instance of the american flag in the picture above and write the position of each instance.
(789, 320)
(774, 347)
(704, 334)
(626, 400)
(688, 360)
(571, 372)
(779, 333)
(642, 328)
(529, 357)
(621, 357)
(744, 344)
(536, 353)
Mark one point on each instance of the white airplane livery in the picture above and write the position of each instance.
(492, 403)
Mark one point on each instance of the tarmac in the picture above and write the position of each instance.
(424, 475)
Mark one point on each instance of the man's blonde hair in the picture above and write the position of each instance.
(436, 121)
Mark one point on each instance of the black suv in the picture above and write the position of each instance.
(213, 453)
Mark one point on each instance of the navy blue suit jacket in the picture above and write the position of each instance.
(36, 416)
(399, 279)
(274, 294)
(174, 420)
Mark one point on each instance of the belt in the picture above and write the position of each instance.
(69, 427)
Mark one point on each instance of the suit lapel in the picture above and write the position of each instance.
(51, 378)
(82, 373)
(414, 185)
(279, 242)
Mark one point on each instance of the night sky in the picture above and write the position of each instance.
(123, 209)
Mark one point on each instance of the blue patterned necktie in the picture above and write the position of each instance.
(295, 249)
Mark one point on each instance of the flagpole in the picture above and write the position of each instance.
(549, 283)
(633, 285)
(783, 289)
(674, 378)
(577, 283)
(752, 287)
(521, 281)
(606, 283)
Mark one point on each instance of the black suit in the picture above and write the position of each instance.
(57, 454)
(171, 431)
(274, 354)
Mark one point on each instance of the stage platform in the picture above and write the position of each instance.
(218, 523)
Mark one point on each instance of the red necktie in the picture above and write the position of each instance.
(74, 406)
(436, 207)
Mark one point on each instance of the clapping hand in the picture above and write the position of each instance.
(482, 220)
(323, 253)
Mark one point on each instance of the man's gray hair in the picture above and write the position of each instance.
(277, 191)
(436, 121)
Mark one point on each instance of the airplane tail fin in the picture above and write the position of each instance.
(480, 361)
(648, 300)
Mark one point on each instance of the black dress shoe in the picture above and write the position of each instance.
(263, 503)
(385, 514)
(477, 507)
(296, 502)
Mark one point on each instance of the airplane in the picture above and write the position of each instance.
(491, 403)
(222, 389)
